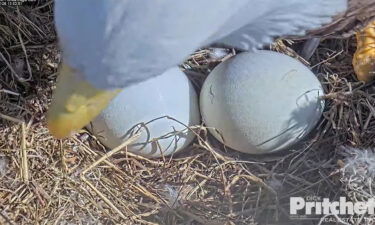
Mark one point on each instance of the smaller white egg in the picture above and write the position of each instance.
(261, 102)
(161, 108)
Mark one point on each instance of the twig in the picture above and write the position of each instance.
(103, 158)
(25, 166)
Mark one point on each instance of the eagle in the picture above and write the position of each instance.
(112, 44)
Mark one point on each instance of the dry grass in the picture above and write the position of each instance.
(77, 181)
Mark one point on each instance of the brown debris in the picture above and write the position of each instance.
(359, 14)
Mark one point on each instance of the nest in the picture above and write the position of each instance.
(77, 181)
(357, 175)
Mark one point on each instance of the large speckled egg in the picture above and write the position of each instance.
(261, 102)
(161, 108)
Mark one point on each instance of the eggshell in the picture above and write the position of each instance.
(261, 102)
(144, 107)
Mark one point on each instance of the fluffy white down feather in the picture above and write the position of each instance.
(115, 43)
(358, 162)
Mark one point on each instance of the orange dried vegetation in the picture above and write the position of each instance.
(364, 57)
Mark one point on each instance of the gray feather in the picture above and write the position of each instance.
(116, 43)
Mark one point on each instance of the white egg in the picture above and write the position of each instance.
(261, 102)
(147, 107)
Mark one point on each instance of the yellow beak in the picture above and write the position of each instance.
(75, 103)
